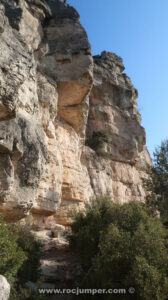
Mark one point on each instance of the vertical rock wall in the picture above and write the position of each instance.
(118, 164)
(54, 99)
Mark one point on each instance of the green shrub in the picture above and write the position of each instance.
(87, 227)
(121, 246)
(12, 256)
(20, 259)
(98, 139)
(25, 293)
(30, 269)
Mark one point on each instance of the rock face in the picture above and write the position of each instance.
(69, 125)
(4, 288)
(119, 165)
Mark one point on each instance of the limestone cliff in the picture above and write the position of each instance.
(69, 125)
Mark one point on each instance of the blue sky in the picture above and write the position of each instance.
(136, 30)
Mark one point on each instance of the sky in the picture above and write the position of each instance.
(136, 30)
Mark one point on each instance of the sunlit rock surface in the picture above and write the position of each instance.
(4, 288)
(69, 128)
(54, 96)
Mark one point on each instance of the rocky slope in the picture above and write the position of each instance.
(69, 125)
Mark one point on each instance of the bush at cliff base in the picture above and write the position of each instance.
(19, 259)
(121, 246)
(12, 256)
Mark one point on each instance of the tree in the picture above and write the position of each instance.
(157, 183)
(121, 246)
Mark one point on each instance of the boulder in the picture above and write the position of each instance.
(4, 288)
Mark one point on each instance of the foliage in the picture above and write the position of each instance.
(31, 267)
(87, 227)
(20, 259)
(98, 139)
(157, 184)
(12, 256)
(121, 246)
(26, 293)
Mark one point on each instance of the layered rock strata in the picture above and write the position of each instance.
(119, 162)
(69, 125)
